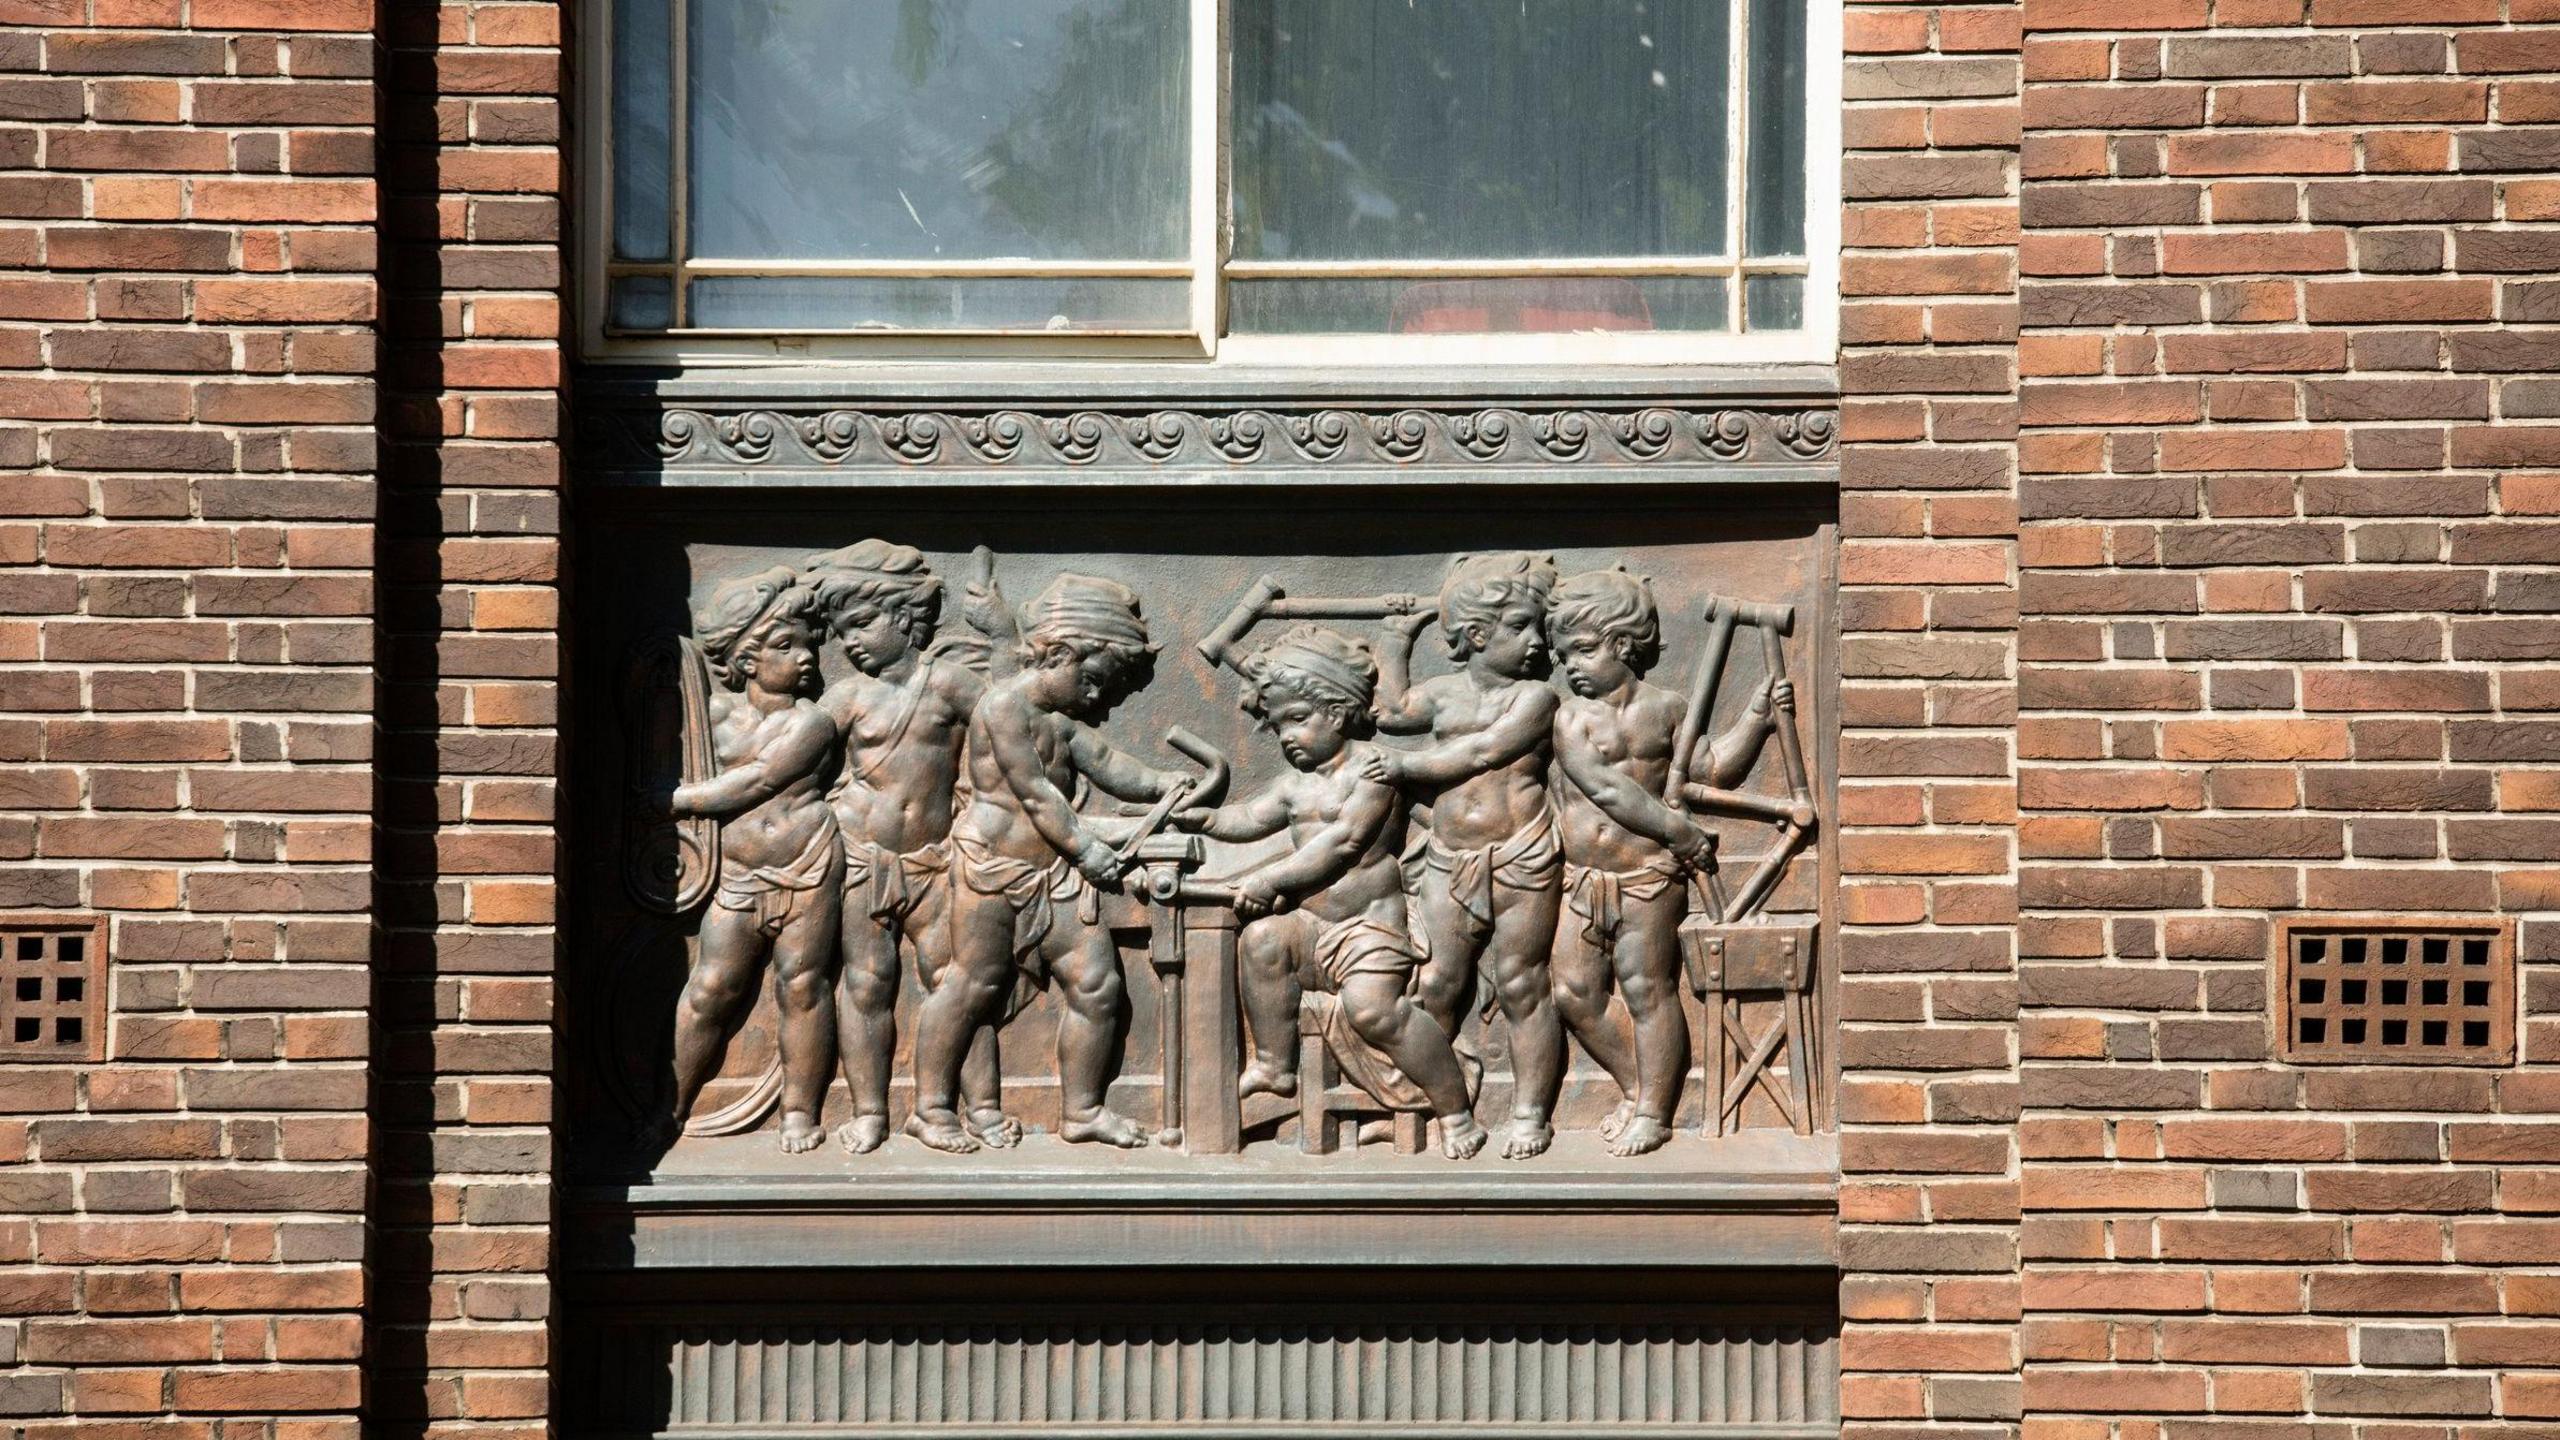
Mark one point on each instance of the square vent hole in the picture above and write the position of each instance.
(2397, 991)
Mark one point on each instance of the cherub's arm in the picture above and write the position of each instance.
(1630, 804)
(800, 749)
(1009, 742)
(1336, 846)
(1248, 819)
(1524, 726)
(1728, 758)
(1402, 710)
(1114, 771)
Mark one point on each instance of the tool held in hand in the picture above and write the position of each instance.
(1266, 600)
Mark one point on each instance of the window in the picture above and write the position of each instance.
(1249, 179)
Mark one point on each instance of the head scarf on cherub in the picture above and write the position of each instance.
(740, 610)
(1086, 612)
(1316, 664)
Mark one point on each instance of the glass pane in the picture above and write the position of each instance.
(641, 302)
(1529, 305)
(957, 129)
(1435, 129)
(641, 74)
(1773, 207)
(772, 303)
(1773, 302)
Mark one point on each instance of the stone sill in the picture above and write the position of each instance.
(1762, 1199)
(1133, 382)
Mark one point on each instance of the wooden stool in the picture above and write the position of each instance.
(1327, 1102)
(1727, 963)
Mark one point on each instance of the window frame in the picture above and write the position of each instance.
(1208, 265)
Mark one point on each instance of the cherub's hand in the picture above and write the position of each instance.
(1378, 766)
(1401, 604)
(1098, 862)
(1697, 849)
(683, 804)
(1411, 622)
(1782, 694)
(985, 610)
(1255, 898)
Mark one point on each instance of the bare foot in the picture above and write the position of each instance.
(1643, 1135)
(1262, 1079)
(801, 1133)
(1527, 1138)
(1617, 1121)
(862, 1134)
(941, 1131)
(1461, 1137)
(999, 1130)
(1106, 1127)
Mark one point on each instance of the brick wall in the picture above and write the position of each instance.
(471, 606)
(2274, 496)
(1928, 613)
(2287, 597)
(186, 695)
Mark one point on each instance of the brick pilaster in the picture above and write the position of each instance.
(1928, 619)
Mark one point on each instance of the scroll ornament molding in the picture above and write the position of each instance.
(847, 439)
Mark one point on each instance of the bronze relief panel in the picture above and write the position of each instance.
(959, 830)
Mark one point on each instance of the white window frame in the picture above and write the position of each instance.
(1208, 267)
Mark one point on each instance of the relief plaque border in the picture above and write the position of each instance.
(1664, 442)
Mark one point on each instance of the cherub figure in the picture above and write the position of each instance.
(904, 714)
(1028, 865)
(779, 856)
(1627, 854)
(1330, 914)
(1489, 884)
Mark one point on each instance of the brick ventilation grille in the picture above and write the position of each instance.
(50, 1000)
(2421, 995)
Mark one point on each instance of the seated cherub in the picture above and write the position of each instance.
(1330, 914)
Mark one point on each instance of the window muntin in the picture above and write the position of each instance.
(1263, 180)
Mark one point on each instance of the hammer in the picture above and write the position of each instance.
(1267, 601)
(1207, 790)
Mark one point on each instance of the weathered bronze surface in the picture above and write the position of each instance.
(923, 839)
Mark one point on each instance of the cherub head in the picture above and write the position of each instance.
(881, 601)
(1085, 644)
(1314, 688)
(1493, 611)
(760, 632)
(1605, 630)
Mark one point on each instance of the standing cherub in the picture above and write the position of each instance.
(1028, 864)
(1627, 854)
(779, 856)
(1489, 879)
(904, 714)
(1331, 913)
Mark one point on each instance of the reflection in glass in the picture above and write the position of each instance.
(641, 82)
(1533, 305)
(1452, 128)
(1773, 302)
(1773, 216)
(640, 302)
(943, 303)
(952, 129)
